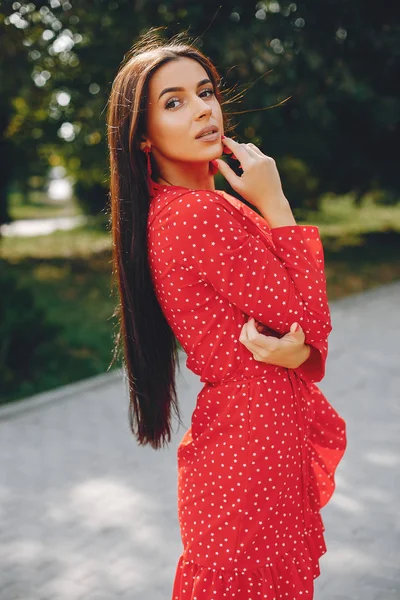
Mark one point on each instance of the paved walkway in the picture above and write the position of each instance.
(86, 514)
(35, 227)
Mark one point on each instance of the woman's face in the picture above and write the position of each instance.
(177, 116)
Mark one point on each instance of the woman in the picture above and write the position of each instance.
(192, 264)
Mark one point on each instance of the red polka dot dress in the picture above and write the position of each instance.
(258, 462)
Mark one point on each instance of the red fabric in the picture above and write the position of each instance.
(258, 461)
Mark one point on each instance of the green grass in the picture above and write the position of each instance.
(339, 217)
(70, 274)
(361, 244)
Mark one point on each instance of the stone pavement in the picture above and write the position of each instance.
(86, 514)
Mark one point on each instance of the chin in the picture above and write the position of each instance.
(214, 151)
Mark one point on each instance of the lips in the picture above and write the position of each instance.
(206, 130)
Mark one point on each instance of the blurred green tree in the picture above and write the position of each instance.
(331, 67)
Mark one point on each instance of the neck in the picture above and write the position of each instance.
(198, 178)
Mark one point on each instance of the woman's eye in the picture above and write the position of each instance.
(209, 92)
(171, 101)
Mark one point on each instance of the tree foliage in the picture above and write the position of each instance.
(317, 79)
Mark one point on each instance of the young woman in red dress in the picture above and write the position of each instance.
(244, 292)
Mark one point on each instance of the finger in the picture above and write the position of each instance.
(258, 340)
(257, 352)
(234, 157)
(261, 353)
(253, 334)
(243, 335)
(252, 150)
(255, 148)
(228, 173)
(230, 154)
(294, 328)
(247, 147)
(259, 326)
(267, 345)
(238, 149)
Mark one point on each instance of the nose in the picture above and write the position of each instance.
(203, 109)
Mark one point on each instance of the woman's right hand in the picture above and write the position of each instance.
(259, 183)
(289, 351)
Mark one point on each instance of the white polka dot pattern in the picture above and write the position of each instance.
(258, 462)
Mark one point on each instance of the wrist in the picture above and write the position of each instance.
(305, 352)
(279, 218)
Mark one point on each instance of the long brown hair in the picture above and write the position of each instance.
(150, 346)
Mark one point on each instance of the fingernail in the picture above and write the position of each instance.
(223, 136)
(297, 327)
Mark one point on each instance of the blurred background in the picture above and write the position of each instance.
(313, 84)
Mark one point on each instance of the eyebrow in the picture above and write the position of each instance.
(181, 89)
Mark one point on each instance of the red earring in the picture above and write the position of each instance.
(147, 151)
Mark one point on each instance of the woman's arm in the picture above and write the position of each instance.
(276, 286)
(289, 351)
(260, 185)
